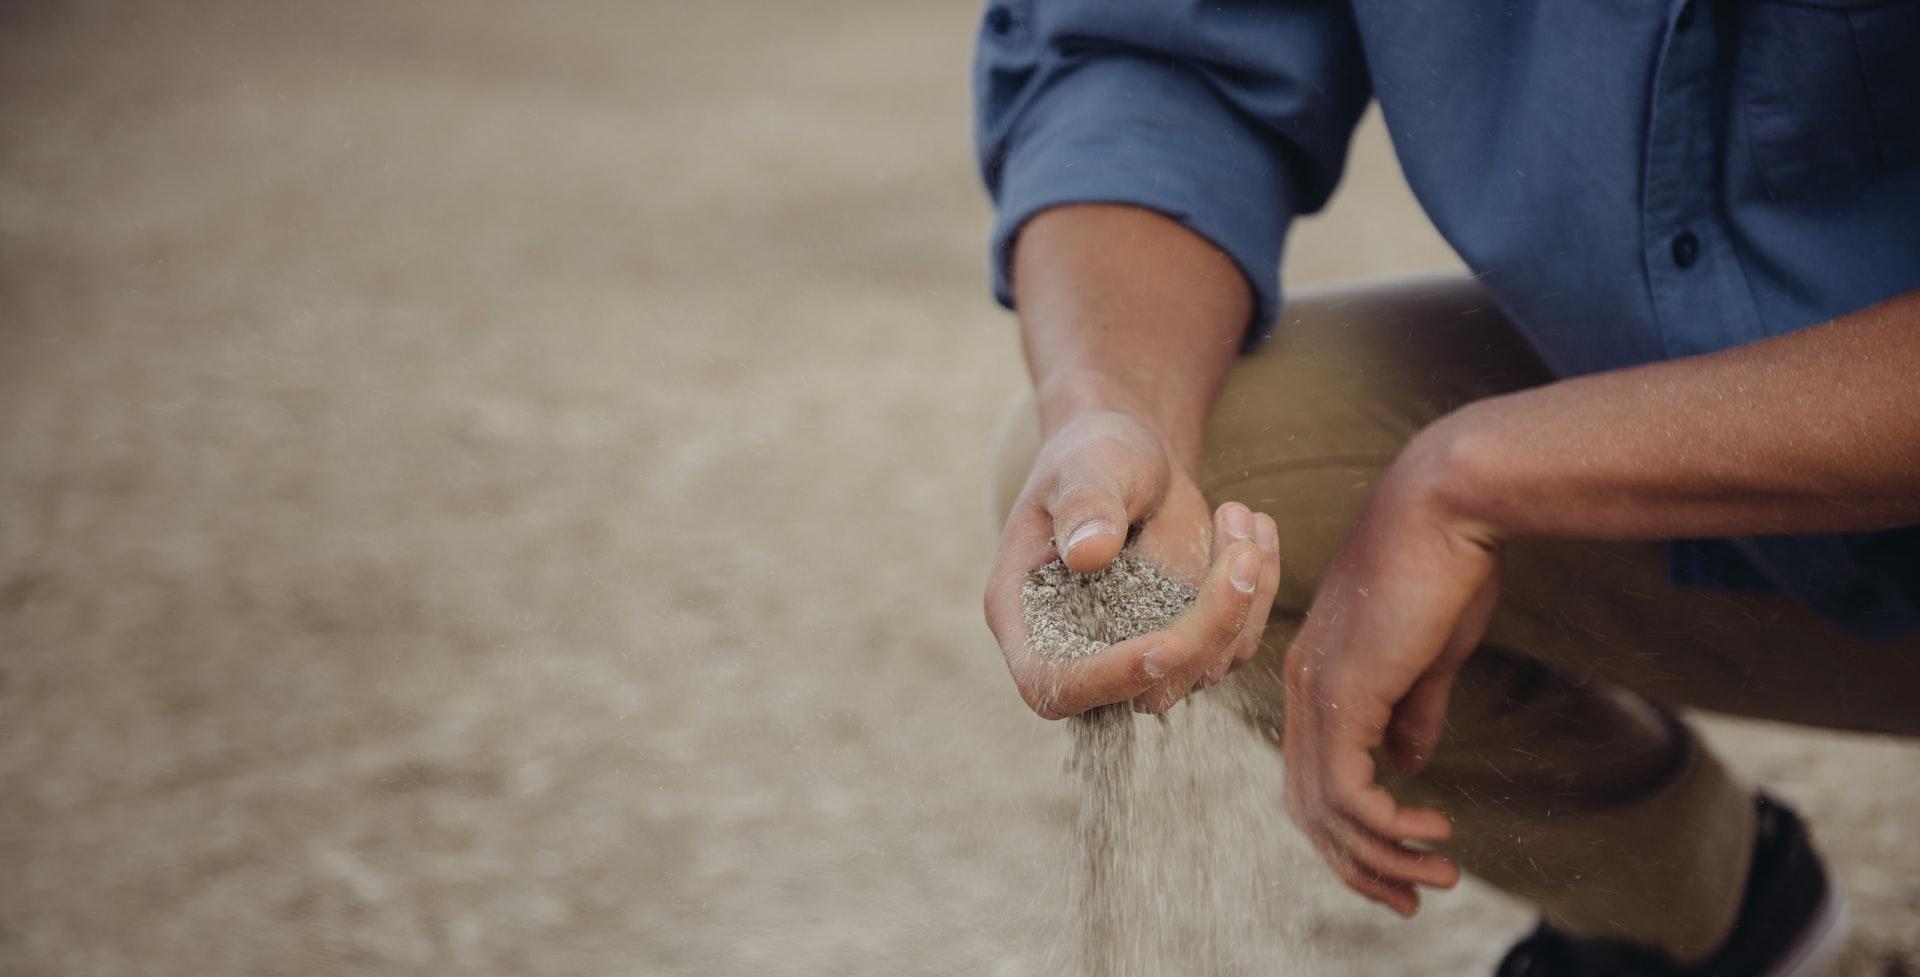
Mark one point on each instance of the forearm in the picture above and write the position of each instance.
(1124, 309)
(1812, 432)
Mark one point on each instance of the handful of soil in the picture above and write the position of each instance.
(1178, 821)
(1071, 615)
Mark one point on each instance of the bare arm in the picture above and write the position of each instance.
(1123, 309)
(1130, 323)
(1815, 431)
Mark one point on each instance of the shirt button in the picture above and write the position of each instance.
(999, 19)
(1686, 250)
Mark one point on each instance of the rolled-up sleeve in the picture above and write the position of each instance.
(1231, 118)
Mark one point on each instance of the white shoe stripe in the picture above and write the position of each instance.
(1826, 935)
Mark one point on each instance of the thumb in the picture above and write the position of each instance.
(1414, 731)
(1421, 715)
(1090, 521)
(1109, 472)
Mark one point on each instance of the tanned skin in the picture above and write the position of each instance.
(1130, 324)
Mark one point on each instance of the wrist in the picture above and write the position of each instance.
(1178, 420)
(1450, 473)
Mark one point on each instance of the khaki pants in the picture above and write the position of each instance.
(1571, 782)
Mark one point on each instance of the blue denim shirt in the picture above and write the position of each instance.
(1632, 180)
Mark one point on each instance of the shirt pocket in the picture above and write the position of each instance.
(1829, 91)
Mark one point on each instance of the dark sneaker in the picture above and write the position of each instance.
(1792, 923)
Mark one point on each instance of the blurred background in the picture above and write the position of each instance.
(498, 488)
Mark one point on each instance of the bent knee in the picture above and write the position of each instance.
(1355, 371)
(1314, 502)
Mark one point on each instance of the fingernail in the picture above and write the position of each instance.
(1160, 660)
(1085, 531)
(1246, 572)
(1239, 523)
(1266, 535)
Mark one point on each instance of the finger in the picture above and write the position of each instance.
(1234, 522)
(1395, 862)
(1313, 799)
(1091, 507)
(1226, 599)
(1210, 625)
(1247, 644)
(1397, 896)
(1267, 534)
(1023, 546)
(1089, 531)
(1213, 621)
(1307, 805)
(1421, 715)
(1116, 674)
(1374, 809)
(1414, 733)
(1356, 796)
(1163, 695)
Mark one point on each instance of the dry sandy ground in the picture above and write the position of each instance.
(497, 488)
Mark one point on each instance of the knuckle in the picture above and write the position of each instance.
(1345, 808)
(1238, 608)
(1228, 628)
(1082, 504)
(1085, 484)
(1370, 869)
(1225, 627)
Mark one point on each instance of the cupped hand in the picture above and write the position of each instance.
(1095, 477)
(1402, 608)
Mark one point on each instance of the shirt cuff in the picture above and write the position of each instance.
(1121, 130)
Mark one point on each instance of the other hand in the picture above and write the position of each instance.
(1403, 606)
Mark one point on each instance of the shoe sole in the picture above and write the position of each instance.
(1826, 937)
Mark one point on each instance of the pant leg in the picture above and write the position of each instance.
(1571, 783)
